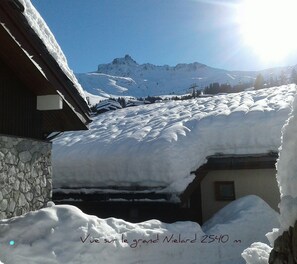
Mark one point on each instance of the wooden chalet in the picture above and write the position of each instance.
(221, 180)
(36, 99)
(29, 71)
(225, 178)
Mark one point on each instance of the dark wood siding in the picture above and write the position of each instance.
(18, 43)
(18, 114)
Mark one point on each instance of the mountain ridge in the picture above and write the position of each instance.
(125, 77)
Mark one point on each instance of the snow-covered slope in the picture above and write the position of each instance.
(64, 234)
(160, 144)
(124, 76)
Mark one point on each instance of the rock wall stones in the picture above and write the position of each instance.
(285, 248)
(25, 175)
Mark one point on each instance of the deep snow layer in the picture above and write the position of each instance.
(160, 144)
(44, 33)
(63, 234)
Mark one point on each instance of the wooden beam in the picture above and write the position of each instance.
(263, 161)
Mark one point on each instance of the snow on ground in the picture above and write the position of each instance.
(99, 81)
(94, 99)
(63, 234)
(44, 33)
(160, 144)
(257, 253)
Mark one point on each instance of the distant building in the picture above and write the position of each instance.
(225, 178)
(107, 105)
(220, 181)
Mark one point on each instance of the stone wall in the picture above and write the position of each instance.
(25, 175)
(285, 248)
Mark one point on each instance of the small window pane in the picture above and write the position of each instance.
(224, 191)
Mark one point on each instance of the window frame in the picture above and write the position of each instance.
(218, 194)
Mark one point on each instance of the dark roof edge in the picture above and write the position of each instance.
(67, 88)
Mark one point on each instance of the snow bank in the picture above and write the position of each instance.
(287, 172)
(160, 144)
(244, 212)
(257, 253)
(287, 175)
(63, 234)
(287, 180)
(44, 33)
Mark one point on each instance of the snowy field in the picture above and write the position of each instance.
(159, 145)
(63, 234)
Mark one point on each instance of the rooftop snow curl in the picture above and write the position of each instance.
(160, 144)
(44, 33)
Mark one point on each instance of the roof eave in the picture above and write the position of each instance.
(32, 50)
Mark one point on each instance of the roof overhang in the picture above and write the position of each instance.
(230, 162)
(241, 162)
(24, 52)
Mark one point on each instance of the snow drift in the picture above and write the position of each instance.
(63, 234)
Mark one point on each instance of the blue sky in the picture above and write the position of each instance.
(92, 32)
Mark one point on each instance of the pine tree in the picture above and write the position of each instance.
(293, 78)
(272, 81)
(259, 82)
(193, 88)
(283, 79)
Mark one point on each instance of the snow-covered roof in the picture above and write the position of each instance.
(27, 40)
(136, 103)
(160, 144)
(108, 105)
(44, 33)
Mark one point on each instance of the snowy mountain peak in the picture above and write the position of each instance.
(125, 77)
(127, 60)
(190, 67)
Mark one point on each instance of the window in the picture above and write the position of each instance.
(224, 190)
